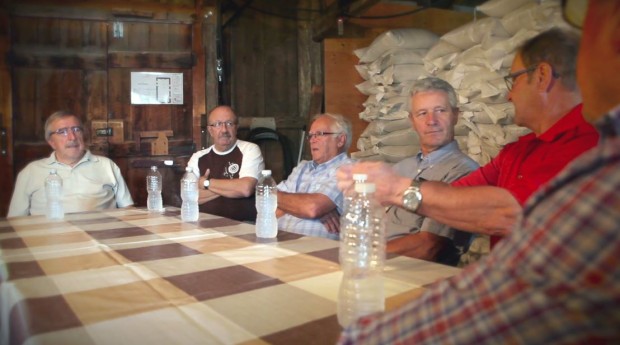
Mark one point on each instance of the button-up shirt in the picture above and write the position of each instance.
(310, 177)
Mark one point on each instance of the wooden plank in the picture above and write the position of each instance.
(209, 44)
(128, 59)
(105, 10)
(155, 134)
(198, 72)
(96, 93)
(439, 21)
(328, 21)
(279, 47)
(247, 79)
(341, 96)
(6, 121)
(310, 71)
(43, 57)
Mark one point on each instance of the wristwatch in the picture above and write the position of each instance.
(206, 183)
(412, 197)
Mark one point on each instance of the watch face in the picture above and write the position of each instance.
(412, 198)
(207, 183)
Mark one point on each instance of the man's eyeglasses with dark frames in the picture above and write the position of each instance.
(320, 134)
(510, 79)
(77, 130)
(221, 124)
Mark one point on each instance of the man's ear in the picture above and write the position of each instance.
(545, 76)
(342, 139)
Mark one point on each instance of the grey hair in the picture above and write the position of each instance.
(342, 124)
(55, 116)
(556, 47)
(434, 84)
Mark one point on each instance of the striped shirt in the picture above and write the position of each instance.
(310, 177)
(554, 280)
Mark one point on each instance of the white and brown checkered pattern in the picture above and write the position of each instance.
(129, 277)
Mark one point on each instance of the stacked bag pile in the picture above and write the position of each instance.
(473, 58)
(389, 66)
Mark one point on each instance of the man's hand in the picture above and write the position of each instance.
(203, 178)
(389, 186)
(331, 220)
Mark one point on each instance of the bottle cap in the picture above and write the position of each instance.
(154, 167)
(365, 187)
(360, 177)
(265, 172)
(53, 171)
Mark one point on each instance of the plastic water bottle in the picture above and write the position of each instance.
(154, 202)
(350, 194)
(53, 194)
(189, 194)
(348, 198)
(362, 257)
(266, 205)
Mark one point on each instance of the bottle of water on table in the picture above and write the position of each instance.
(189, 195)
(53, 194)
(349, 195)
(362, 257)
(266, 205)
(154, 202)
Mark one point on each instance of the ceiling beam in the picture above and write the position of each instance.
(329, 21)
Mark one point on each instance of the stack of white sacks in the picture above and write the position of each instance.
(473, 58)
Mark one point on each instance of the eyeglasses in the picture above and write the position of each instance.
(510, 79)
(574, 12)
(221, 124)
(320, 134)
(77, 130)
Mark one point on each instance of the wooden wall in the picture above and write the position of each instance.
(63, 54)
(272, 63)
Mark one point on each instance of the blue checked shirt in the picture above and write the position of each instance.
(555, 280)
(310, 177)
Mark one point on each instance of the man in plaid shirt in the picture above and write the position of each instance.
(556, 279)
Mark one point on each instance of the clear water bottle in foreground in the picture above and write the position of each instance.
(266, 205)
(154, 202)
(53, 194)
(349, 195)
(358, 297)
(189, 195)
(362, 257)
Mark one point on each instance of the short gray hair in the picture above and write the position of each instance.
(343, 125)
(55, 116)
(556, 47)
(434, 84)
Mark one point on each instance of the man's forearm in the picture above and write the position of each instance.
(233, 188)
(305, 205)
(422, 245)
(483, 209)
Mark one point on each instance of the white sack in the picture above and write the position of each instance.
(500, 8)
(475, 32)
(398, 138)
(408, 38)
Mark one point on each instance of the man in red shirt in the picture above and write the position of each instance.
(544, 91)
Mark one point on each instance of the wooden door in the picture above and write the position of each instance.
(76, 60)
(6, 160)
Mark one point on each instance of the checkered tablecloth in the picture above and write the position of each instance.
(129, 277)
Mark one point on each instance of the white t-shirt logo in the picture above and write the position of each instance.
(233, 168)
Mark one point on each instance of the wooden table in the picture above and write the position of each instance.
(130, 277)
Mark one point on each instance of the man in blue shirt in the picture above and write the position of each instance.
(309, 201)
